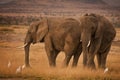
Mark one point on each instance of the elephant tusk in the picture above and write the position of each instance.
(22, 46)
(19, 70)
(88, 43)
(106, 70)
(80, 40)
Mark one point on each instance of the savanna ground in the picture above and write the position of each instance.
(12, 36)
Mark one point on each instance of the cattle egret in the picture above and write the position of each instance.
(19, 70)
(9, 64)
(23, 66)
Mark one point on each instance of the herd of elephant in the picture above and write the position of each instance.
(91, 34)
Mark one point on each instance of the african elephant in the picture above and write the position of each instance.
(97, 34)
(58, 35)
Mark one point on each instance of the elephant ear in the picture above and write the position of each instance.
(33, 29)
(42, 30)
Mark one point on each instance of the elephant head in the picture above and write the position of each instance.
(36, 33)
(90, 29)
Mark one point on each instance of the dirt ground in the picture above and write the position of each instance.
(12, 36)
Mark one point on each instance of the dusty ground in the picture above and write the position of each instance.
(12, 36)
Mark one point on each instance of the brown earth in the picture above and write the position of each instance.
(12, 36)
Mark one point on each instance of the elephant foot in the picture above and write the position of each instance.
(91, 66)
(74, 65)
(84, 64)
(102, 67)
(26, 66)
(64, 65)
(52, 65)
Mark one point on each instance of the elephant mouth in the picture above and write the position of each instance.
(42, 40)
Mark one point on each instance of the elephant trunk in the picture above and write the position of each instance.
(28, 41)
(26, 48)
(86, 41)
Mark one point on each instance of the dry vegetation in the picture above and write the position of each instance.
(13, 36)
(26, 11)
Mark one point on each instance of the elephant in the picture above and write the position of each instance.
(97, 34)
(58, 34)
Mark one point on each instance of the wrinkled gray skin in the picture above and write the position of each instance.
(97, 35)
(58, 35)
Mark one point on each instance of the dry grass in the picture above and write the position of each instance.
(40, 69)
(6, 30)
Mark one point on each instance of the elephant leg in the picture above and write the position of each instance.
(52, 57)
(104, 57)
(90, 57)
(69, 51)
(52, 54)
(77, 55)
(90, 62)
(67, 60)
(99, 59)
(93, 49)
(51, 51)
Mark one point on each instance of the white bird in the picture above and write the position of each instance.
(23, 66)
(19, 70)
(106, 70)
(9, 64)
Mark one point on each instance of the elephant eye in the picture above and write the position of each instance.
(92, 27)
